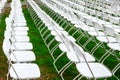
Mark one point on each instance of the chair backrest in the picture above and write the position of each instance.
(7, 21)
(78, 50)
(66, 41)
(7, 34)
(6, 47)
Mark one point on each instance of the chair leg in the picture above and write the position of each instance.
(76, 77)
(102, 59)
(64, 68)
(8, 72)
(7, 76)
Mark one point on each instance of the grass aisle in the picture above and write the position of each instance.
(43, 58)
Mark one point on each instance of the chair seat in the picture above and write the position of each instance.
(22, 46)
(54, 33)
(116, 27)
(20, 24)
(20, 21)
(78, 26)
(57, 38)
(88, 21)
(85, 28)
(22, 56)
(91, 28)
(64, 32)
(71, 38)
(104, 39)
(98, 70)
(63, 47)
(21, 28)
(117, 30)
(74, 21)
(114, 46)
(60, 39)
(73, 57)
(50, 28)
(20, 39)
(94, 33)
(25, 71)
(20, 33)
(112, 26)
(46, 23)
(60, 28)
(114, 20)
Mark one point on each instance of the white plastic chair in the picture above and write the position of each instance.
(20, 39)
(65, 47)
(21, 46)
(94, 70)
(79, 55)
(24, 71)
(116, 45)
(17, 56)
(20, 70)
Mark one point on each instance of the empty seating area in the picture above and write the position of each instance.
(82, 38)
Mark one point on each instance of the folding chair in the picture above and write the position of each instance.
(70, 55)
(116, 45)
(94, 70)
(90, 69)
(73, 59)
(20, 70)
(106, 38)
(98, 30)
(17, 56)
(24, 71)
(20, 39)
(21, 46)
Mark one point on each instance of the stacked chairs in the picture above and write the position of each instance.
(66, 45)
(104, 57)
(17, 46)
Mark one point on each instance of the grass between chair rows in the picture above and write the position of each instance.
(43, 58)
